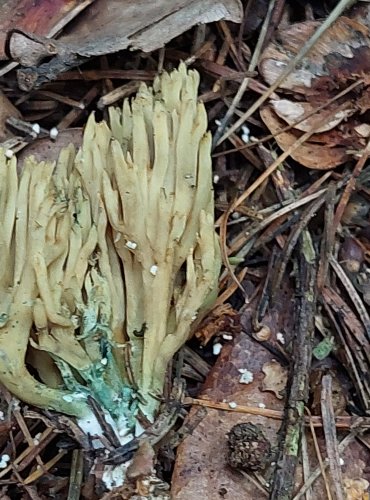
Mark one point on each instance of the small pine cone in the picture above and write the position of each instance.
(249, 449)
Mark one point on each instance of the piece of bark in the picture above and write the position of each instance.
(109, 27)
(44, 17)
(276, 377)
(141, 24)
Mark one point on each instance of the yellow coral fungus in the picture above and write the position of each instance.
(109, 248)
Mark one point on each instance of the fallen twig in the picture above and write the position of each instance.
(327, 412)
(284, 477)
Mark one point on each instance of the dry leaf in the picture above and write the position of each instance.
(339, 387)
(308, 154)
(363, 130)
(292, 111)
(201, 469)
(341, 55)
(142, 464)
(276, 377)
(46, 149)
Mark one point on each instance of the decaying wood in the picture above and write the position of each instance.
(283, 483)
(135, 25)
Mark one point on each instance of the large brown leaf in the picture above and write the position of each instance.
(201, 469)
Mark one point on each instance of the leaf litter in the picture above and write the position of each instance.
(292, 197)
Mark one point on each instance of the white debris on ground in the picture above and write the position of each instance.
(246, 376)
(4, 459)
(217, 347)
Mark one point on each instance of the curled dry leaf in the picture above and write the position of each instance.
(276, 377)
(263, 334)
(309, 154)
(291, 111)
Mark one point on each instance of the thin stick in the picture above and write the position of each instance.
(320, 460)
(327, 411)
(316, 473)
(353, 294)
(245, 82)
(284, 477)
(76, 475)
(306, 464)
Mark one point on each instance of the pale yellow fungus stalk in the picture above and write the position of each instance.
(109, 255)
